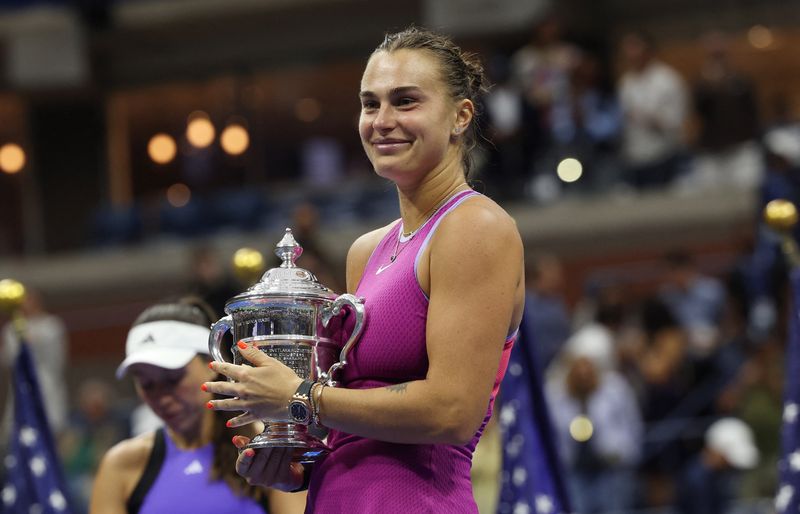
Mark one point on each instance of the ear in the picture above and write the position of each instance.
(465, 111)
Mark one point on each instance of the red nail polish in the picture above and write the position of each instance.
(229, 425)
(211, 365)
(249, 452)
(233, 439)
(242, 345)
(204, 388)
(209, 405)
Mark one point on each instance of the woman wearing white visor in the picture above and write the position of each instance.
(188, 466)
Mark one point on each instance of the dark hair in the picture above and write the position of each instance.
(462, 72)
(192, 309)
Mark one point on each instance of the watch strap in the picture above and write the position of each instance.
(303, 390)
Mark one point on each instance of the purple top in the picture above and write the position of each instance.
(183, 485)
(370, 476)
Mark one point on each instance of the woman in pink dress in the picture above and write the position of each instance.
(443, 289)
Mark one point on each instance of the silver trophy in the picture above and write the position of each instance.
(291, 317)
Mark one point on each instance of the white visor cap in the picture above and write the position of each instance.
(166, 344)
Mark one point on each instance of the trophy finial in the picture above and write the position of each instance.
(780, 215)
(12, 294)
(248, 264)
(288, 250)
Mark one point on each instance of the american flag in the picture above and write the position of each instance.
(34, 483)
(788, 496)
(532, 482)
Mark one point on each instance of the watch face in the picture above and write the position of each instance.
(299, 412)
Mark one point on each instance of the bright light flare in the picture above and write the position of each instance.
(12, 158)
(569, 169)
(162, 148)
(235, 139)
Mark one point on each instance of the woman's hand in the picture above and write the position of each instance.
(263, 390)
(268, 467)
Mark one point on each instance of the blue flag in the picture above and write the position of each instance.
(532, 480)
(788, 496)
(34, 482)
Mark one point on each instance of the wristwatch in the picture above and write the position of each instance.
(300, 410)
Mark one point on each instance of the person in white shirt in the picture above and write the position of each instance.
(654, 103)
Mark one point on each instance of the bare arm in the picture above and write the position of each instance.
(120, 467)
(475, 263)
(286, 503)
(475, 291)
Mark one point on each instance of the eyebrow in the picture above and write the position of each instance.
(393, 92)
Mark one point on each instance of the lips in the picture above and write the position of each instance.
(390, 145)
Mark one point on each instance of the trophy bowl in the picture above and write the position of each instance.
(293, 318)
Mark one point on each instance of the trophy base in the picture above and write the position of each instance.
(307, 448)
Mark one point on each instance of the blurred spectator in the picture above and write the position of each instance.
(46, 336)
(541, 68)
(513, 130)
(763, 271)
(654, 357)
(599, 336)
(725, 105)
(756, 397)
(654, 104)
(209, 280)
(707, 483)
(586, 123)
(94, 427)
(599, 461)
(697, 301)
(545, 310)
(316, 256)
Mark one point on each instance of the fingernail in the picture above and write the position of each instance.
(211, 365)
(204, 387)
(233, 440)
(228, 424)
(242, 345)
(249, 452)
(209, 405)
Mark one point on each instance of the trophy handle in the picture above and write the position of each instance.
(218, 331)
(335, 308)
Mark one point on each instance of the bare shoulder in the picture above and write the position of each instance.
(129, 455)
(359, 254)
(120, 470)
(480, 219)
(363, 247)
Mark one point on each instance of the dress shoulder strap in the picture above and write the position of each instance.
(437, 218)
(151, 471)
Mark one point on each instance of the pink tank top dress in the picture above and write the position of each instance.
(367, 476)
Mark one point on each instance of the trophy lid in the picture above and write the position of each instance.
(287, 280)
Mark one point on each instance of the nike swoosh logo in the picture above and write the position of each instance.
(381, 269)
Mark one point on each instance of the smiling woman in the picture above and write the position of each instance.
(443, 289)
(166, 353)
